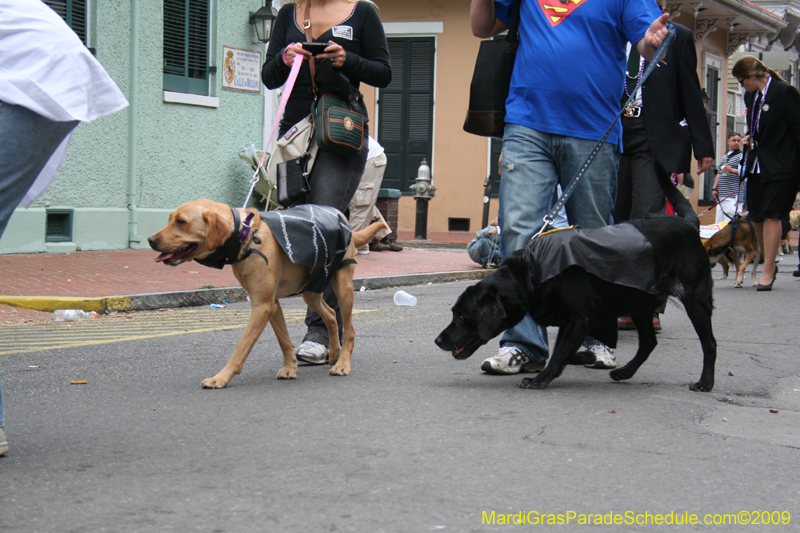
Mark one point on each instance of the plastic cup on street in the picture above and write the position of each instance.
(403, 298)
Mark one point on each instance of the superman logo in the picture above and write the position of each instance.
(558, 10)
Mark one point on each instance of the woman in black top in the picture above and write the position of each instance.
(357, 48)
(772, 157)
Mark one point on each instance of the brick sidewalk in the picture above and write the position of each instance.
(128, 272)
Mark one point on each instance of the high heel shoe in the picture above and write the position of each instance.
(769, 287)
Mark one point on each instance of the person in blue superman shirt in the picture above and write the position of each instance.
(564, 94)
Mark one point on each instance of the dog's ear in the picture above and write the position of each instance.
(217, 230)
(491, 314)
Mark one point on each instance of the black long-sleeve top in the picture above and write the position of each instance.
(361, 35)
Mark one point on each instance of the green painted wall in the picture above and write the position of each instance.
(184, 151)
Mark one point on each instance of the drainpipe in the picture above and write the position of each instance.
(133, 232)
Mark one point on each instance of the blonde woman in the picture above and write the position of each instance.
(356, 45)
(772, 156)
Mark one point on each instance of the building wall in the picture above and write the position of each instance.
(183, 151)
(460, 160)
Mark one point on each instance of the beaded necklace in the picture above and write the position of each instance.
(757, 115)
(754, 124)
(638, 78)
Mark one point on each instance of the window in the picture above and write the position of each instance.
(406, 111)
(712, 112)
(74, 13)
(186, 38)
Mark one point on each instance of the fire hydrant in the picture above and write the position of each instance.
(423, 192)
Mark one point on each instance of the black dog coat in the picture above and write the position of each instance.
(314, 235)
(617, 254)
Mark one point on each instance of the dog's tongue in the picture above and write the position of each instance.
(163, 257)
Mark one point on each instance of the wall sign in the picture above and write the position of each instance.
(241, 69)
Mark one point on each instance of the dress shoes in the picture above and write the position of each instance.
(764, 288)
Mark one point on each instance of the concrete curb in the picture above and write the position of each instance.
(158, 300)
(433, 245)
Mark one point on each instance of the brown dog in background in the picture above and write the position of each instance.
(197, 229)
(786, 243)
(745, 242)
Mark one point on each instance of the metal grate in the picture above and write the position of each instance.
(59, 225)
(457, 224)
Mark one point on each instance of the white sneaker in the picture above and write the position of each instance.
(510, 360)
(597, 355)
(312, 353)
(363, 251)
(3, 442)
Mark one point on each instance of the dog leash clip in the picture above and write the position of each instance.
(548, 220)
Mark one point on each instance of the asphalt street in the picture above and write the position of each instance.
(411, 441)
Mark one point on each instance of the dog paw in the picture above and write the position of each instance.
(287, 373)
(532, 383)
(214, 383)
(701, 386)
(340, 370)
(620, 374)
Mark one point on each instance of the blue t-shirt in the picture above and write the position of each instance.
(570, 67)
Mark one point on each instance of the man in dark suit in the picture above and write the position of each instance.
(666, 121)
(653, 128)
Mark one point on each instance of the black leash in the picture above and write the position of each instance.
(550, 217)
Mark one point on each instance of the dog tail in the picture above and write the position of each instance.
(360, 238)
(679, 203)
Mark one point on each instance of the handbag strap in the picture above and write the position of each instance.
(512, 38)
(312, 61)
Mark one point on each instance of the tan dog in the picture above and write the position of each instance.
(719, 243)
(786, 244)
(197, 229)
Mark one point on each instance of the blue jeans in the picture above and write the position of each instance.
(27, 140)
(334, 181)
(534, 163)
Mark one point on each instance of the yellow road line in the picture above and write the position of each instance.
(41, 336)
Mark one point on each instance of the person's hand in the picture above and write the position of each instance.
(291, 52)
(703, 164)
(335, 52)
(492, 231)
(657, 31)
(715, 193)
(745, 140)
(679, 178)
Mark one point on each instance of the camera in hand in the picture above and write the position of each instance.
(315, 48)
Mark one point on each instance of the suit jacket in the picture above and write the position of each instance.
(671, 94)
(778, 134)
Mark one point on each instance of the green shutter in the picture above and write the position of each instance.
(406, 111)
(74, 13)
(186, 37)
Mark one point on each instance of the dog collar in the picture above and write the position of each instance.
(230, 251)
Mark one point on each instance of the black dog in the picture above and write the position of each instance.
(630, 270)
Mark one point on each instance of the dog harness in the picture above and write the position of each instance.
(618, 254)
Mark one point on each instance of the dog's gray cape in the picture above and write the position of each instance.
(314, 235)
(617, 254)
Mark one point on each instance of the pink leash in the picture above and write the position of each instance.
(281, 108)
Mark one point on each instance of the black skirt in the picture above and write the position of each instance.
(771, 199)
